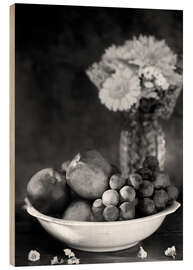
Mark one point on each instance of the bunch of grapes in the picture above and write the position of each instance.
(144, 193)
(156, 191)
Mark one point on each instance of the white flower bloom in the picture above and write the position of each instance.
(120, 91)
(69, 261)
(153, 76)
(142, 254)
(71, 254)
(148, 84)
(67, 251)
(148, 72)
(115, 64)
(54, 260)
(77, 261)
(161, 82)
(144, 51)
(73, 260)
(98, 73)
(116, 52)
(148, 51)
(170, 252)
(33, 256)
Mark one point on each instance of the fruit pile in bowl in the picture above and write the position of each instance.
(90, 206)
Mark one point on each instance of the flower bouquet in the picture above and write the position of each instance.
(142, 80)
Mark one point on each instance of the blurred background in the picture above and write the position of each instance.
(57, 109)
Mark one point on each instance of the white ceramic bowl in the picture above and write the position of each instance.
(102, 236)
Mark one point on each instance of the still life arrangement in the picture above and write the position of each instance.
(89, 205)
(142, 80)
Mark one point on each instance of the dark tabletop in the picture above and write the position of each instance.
(30, 235)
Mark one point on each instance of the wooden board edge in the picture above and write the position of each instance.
(12, 134)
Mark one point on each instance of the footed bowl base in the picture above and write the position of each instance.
(105, 249)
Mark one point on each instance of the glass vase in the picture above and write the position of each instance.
(141, 136)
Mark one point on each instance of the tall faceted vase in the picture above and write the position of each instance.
(141, 136)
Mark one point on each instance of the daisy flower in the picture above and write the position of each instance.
(98, 73)
(55, 261)
(116, 52)
(33, 256)
(67, 251)
(121, 91)
(148, 51)
(161, 81)
(142, 254)
(116, 58)
(153, 77)
(148, 72)
(71, 255)
(170, 252)
(73, 260)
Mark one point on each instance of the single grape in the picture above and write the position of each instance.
(162, 180)
(97, 214)
(146, 174)
(127, 194)
(110, 197)
(172, 193)
(97, 210)
(146, 206)
(146, 189)
(111, 213)
(135, 180)
(160, 199)
(127, 211)
(117, 181)
(98, 203)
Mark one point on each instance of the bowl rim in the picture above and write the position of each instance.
(34, 212)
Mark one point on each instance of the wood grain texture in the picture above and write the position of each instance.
(12, 134)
